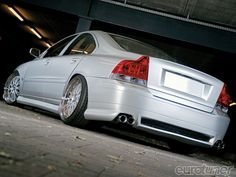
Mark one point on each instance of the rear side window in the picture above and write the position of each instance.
(84, 44)
(142, 48)
(56, 49)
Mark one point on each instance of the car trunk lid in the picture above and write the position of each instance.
(183, 85)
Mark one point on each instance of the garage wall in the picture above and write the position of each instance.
(164, 26)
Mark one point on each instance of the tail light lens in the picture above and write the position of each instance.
(133, 71)
(224, 99)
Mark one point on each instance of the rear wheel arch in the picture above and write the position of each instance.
(73, 76)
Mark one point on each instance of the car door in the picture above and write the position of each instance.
(35, 77)
(32, 85)
(59, 69)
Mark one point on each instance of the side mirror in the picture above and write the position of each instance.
(34, 52)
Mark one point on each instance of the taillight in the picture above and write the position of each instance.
(224, 99)
(133, 71)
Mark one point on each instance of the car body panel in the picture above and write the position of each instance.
(183, 85)
(113, 97)
(33, 79)
(56, 77)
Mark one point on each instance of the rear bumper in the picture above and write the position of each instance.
(107, 98)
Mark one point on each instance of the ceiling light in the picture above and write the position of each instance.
(16, 13)
(35, 32)
(47, 44)
(233, 104)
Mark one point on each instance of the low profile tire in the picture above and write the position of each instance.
(74, 102)
(12, 88)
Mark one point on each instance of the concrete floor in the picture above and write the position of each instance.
(34, 144)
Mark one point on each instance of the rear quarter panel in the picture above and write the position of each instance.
(99, 65)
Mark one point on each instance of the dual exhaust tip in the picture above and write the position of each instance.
(126, 119)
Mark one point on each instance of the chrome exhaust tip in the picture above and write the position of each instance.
(130, 121)
(125, 119)
(122, 118)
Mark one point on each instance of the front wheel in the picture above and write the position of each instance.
(12, 88)
(74, 102)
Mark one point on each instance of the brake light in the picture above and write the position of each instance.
(224, 98)
(133, 71)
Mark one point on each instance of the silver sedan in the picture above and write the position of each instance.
(101, 76)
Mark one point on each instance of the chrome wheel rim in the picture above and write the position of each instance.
(71, 98)
(13, 90)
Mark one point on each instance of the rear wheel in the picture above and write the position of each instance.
(74, 102)
(12, 88)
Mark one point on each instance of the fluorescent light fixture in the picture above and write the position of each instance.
(47, 44)
(35, 32)
(32, 29)
(233, 104)
(15, 13)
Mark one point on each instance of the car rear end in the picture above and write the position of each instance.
(156, 95)
(178, 102)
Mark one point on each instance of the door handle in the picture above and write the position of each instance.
(46, 62)
(73, 61)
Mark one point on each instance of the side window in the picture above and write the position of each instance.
(84, 44)
(58, 47)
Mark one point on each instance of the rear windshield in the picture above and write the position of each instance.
(142, 48)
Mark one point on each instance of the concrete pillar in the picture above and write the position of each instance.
(84, 24)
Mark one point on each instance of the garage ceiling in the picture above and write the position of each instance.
(54, 25)
(221, 12)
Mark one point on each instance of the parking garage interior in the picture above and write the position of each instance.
(200, 34)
